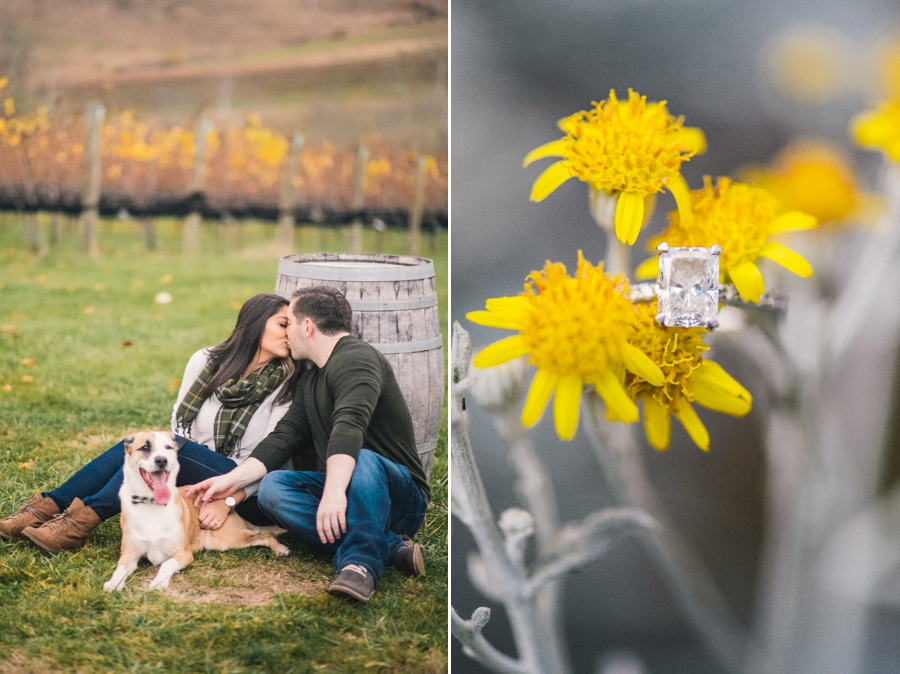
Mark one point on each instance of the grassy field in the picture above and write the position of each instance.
(107, 359)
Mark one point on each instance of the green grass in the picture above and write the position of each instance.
(73, 315)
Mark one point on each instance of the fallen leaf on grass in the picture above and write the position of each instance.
(42, 278)
(126, 343)
(165, 279)
(175, 384)
(27, 379)
(236, 305)
(10, 330)
(28, 362)
(89, 310)
(27, 464)
(7, 387)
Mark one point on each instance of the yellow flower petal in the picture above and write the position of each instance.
(629, 217)
(617, 401)
(792, 221)
(538, 396)
(552, 177)
(657, 424)
(516, 303)
(692, 424)
(566, 404)
(648, 268)
(748, 280)
(679, 189)
(640, 364)
(714, 388)
(787, 258)
(554, 148)
(694, 139)
(493, 319)
(501, 352)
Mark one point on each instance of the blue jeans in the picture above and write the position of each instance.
(97, 484)
(383, 503)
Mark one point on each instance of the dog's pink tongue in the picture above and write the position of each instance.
(160, 489)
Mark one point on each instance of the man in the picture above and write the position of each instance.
(350, 418)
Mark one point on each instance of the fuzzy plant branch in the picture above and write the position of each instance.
(538, 652)
(589, 541)
(468, 632)
(873, 272)
(691, 585)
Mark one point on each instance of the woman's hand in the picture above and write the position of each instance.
(213, 514)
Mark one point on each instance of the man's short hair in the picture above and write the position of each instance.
(326, 306)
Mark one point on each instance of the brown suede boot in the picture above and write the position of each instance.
(67, 530)
(38, 510)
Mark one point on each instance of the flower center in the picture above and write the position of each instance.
(626, 146)
(677, 352)
(575, 325)
(734, 215)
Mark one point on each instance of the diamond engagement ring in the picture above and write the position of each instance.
(688, 291)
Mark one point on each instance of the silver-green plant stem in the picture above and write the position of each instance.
(536, 656)
(535, 488)
(822, 471)
(693, 589)
(522, 591)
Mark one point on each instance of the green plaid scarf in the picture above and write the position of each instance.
(240, 398)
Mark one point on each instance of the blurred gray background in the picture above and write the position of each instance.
(517, 67)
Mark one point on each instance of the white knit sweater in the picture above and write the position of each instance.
(261, 423)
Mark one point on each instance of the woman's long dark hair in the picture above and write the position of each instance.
(235, 354)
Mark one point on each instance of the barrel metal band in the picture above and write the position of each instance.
(394, 305)
(377, 272)
(410, 347)
(427, 446)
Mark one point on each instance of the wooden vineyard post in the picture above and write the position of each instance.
(359, 184)
(288, 201)
(418, 206)
(148, 223)
(90, 194)
(192, 224)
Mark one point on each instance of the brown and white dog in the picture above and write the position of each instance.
(159, 523)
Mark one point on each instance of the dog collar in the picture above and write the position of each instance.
(143, 499)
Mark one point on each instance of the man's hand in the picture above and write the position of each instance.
(225, 485)
(212, 515)
(331, 517)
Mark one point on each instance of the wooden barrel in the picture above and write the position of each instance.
(394, 302)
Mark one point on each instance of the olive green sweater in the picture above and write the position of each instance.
(352, 403)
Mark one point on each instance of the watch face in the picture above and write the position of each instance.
(230, 502)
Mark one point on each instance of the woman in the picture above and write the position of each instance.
(231, 397)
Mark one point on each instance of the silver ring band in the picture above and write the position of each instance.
(728, 294)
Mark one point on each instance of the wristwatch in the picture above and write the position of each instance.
(230, 502)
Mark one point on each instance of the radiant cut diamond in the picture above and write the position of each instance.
(688, 286)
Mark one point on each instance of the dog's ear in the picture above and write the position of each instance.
(171, 436)
(128, 441)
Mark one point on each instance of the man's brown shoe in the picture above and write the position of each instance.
(66, 531)
(408, 558)
(353, 582)
(38, 510)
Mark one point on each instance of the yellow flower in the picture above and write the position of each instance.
(812, 177)
(879, 129)
(631, 149)
(688, 378)
(575, 330)
(740, 219)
